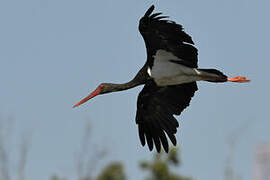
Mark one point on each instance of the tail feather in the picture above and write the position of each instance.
(222, 77)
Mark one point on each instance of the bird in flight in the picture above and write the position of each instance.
(169, 77)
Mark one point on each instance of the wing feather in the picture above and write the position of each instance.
(156, 107)
(159, 33)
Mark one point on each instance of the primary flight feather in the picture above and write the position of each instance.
(169, 77)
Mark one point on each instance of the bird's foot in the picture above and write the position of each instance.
(239, 79)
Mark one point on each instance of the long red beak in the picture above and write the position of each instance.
(90, 96)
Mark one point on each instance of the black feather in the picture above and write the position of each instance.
(156, 107)
(161, 17)
(149, 11)
(164, 141)
(167, 35)
(141, 134)
(154, 15)
(149, 138)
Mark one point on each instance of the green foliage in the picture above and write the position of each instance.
(173, 156)
(113, 171)
(160, 166)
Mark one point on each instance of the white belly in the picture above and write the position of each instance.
(166, 72)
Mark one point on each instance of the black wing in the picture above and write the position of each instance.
(159, 33)
(155, 109)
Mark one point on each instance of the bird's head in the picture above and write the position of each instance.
(103, 88)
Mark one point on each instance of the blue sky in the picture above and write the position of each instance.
(54, 52)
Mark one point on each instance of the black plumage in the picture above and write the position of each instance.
(159, 33)
(157, 106)
(169, 77)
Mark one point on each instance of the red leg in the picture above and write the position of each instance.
(239, 79)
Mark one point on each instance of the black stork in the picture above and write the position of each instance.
(169, 77)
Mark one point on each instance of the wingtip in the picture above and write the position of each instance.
(150, 146)
(166, 150)
(173, 139)
(149, 11)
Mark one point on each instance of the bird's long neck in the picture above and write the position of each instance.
(104, 88)
(139, 79)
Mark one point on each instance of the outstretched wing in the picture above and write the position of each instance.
(162, 34)
(156, 107)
